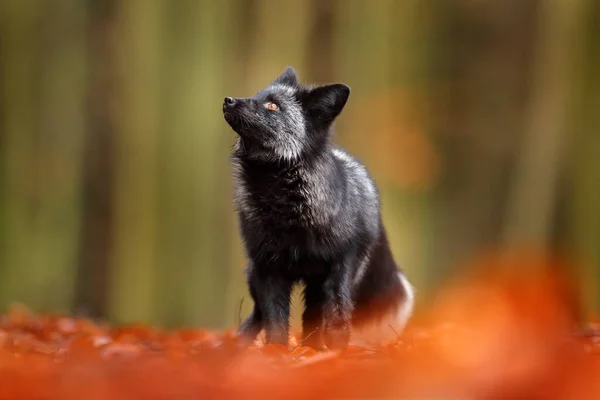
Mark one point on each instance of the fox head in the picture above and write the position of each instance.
(286, 120)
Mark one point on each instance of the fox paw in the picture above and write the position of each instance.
(337, 335)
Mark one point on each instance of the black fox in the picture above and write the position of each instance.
(309, 211)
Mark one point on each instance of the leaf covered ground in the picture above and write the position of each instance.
(508, 330)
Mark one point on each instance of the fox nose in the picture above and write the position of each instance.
(229, 101)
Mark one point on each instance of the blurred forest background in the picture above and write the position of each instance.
(478, 118)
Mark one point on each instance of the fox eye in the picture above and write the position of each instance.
(272, 106)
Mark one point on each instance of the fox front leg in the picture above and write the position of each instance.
(271, 312)
(338, 306)
(252, 325)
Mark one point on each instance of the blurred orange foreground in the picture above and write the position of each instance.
(507, 329)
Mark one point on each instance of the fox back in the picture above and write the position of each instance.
(309, 212)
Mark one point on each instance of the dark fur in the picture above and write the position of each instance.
(308, 212)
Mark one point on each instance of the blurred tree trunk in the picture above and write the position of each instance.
(238, 303)
(135, 230)
(233, 79)
(483, 56)
(532, 202)
(411, 154)
(194, 235)
(271, 50)
(538, 184)
(57, 160)
(19, 40)
(584, 163)
(320, 49)
(98, 171)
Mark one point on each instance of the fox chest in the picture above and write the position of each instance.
(278, 206)
(281, 209)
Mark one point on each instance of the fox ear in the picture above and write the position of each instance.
(326, 102)
(288, 77)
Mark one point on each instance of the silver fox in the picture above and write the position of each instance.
(309, 212)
